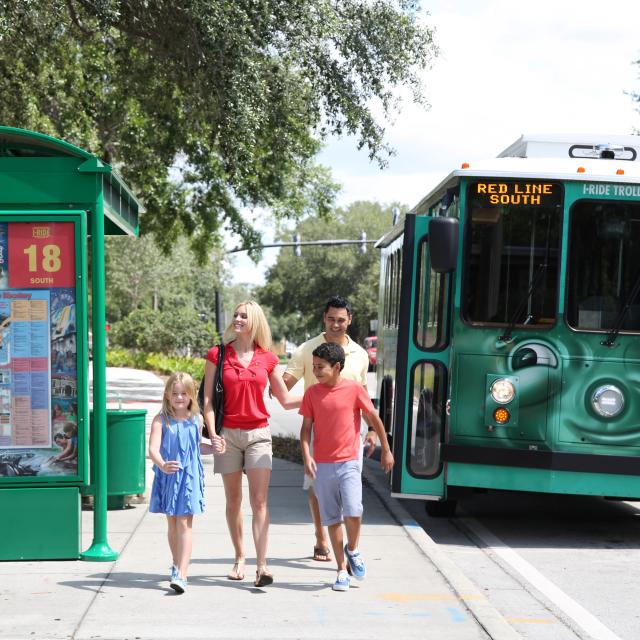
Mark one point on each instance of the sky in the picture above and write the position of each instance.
(505, 68)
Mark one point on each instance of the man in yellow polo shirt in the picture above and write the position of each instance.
(337, 317)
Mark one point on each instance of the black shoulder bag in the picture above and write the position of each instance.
(217, 396)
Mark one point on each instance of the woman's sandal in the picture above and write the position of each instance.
(321, 554)
(263, 578)
(237, 572)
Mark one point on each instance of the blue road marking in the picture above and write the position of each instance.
(411, 523)
(456, 615)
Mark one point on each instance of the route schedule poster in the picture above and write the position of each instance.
(38, 355)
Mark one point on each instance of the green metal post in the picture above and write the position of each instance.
(100, 551)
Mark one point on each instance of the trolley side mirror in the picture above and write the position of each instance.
(443, 244)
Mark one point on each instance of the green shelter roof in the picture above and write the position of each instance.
(20, 143)
(121, 208)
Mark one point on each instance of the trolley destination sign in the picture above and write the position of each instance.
(521, 193)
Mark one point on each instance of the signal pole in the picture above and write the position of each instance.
(297, 243)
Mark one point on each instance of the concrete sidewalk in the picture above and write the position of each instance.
(410, 591)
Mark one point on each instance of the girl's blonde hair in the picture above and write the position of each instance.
(258, 325)
(189, 387)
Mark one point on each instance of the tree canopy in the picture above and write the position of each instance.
(138, 276)
(297, 288)
(160, 302)
(208, 107)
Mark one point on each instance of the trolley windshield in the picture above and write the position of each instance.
(512, 244)
(604, 266)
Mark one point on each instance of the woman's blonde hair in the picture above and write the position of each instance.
(189, 387)
(258, 325)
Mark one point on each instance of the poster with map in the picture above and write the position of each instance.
(38, 349)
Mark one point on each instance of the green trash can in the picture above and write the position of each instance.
(126, 455)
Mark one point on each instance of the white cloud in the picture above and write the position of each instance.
(505, 68)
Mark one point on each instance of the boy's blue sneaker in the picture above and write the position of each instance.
(342, 582)
(178, 584)
(174, 573)
(356, 563)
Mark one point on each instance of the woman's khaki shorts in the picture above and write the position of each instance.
(246, 449)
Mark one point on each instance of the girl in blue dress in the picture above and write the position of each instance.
(178, 485)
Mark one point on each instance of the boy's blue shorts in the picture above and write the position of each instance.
(338, 486)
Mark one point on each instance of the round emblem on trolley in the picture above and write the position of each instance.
(607, 401)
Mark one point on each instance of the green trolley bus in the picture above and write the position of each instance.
(509, 326)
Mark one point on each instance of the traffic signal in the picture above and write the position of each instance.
(363, 242)
(296, 247)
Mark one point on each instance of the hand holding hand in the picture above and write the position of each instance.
(219, 444)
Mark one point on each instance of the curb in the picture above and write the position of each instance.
(485, 614)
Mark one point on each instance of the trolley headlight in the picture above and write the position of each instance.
(608, 401)
(503, 391)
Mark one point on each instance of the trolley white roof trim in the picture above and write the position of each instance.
(550, 161)
(559, 145)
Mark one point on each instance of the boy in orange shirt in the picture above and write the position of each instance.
(332, 409)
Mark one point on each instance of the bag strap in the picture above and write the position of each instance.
(221, 354)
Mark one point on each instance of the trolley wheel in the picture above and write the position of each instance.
(441, 508)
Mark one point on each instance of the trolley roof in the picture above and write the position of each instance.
(576, 157)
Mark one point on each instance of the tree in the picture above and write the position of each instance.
(139, 276)
(210, 106)
(296, 289)
(174, 332)
(161, 303)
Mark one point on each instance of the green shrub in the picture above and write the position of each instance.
(176, 332)
(168, 364)
(157, 362)
(126, 358)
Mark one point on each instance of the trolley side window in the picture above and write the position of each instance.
(391, 295)
(604, 265)
(426, 418)
(431, 302)
(512, 244)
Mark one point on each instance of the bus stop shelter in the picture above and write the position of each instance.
(54, 197)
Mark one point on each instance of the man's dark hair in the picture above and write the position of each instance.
(338, 302)
(331, 353)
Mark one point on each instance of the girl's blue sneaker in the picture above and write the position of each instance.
(356, 563)
(174, 572)
(178, 584)
(343, 582)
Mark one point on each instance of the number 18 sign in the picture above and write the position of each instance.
(41, 255)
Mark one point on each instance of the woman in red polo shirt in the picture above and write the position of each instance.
(248, 367)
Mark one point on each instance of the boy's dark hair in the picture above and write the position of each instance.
(338, 302)
(330, 352)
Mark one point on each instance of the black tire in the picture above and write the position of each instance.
(441, 508)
